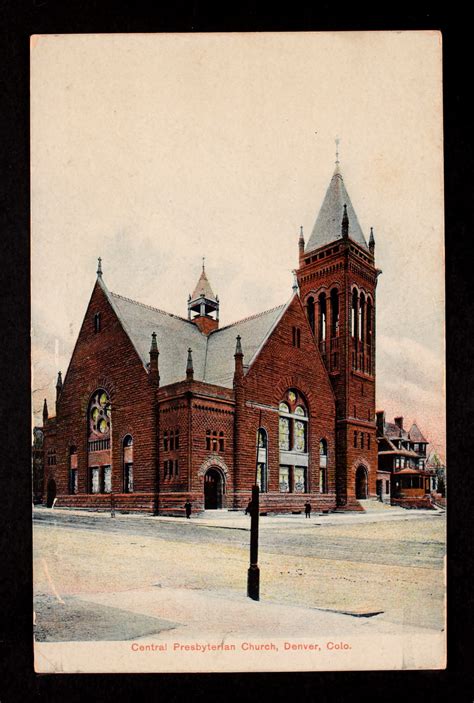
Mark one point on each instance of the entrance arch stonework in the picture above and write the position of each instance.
(214, 461)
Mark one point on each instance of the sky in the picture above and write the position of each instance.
(154, 150)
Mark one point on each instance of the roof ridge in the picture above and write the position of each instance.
(250, 317)
(150, 307)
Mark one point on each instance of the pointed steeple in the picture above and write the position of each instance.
(372, 241)
(59, 384)
(204, 304)
(327, 227)
(189, 365)
(45, 412)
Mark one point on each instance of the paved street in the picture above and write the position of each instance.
(127, 577)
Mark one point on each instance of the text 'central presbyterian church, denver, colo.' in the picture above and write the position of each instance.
(156, 409)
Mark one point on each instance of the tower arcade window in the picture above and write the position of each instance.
(310, 312)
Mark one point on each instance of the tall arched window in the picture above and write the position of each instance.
(99, 418)
(293, 443)
(127, 448)
(323, 463)
(310, 312)
(262, 449)
(322, 318)
(354, 306)
(73, 479)
(362, 318)
(334, 313)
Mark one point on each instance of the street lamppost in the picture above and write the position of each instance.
(253, 574)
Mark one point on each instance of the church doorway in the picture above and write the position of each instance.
(51, 493)
(361, 483)
(213, 489)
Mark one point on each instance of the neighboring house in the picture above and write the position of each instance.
(403, 476)
(157, 409)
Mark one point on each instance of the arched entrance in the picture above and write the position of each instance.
(51, 493)
(361, 483)
(213, 489)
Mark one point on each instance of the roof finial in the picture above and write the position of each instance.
(99, 267)
(203, 264)
(372, 241)
(345, 223)
(154, 345)
(295, 286)
(189, 365)
(337, 140)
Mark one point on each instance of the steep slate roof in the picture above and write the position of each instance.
(327, 227)
(415, 434)
(203, 286)
(213, 356)
(392, 431)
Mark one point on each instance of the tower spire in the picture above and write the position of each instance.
(45, 411)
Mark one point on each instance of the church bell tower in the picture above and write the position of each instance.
(337, 280)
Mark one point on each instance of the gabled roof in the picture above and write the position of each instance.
(213, 355)
(203, 287)
(327, 227)
(415, 434)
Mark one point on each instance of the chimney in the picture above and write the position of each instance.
(380, 422)
(399, 422)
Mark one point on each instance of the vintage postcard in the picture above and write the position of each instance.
(238, 352)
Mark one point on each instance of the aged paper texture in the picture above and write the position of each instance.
(238, 352)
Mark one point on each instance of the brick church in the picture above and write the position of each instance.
(157, 409)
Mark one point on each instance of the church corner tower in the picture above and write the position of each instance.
(203, 305)
(337, 278)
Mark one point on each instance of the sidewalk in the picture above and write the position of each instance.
(237, 520)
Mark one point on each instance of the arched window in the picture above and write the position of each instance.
(73, 478)
(362, 318)
(354, 306)
(322, 318)
(293, 443)
(323, 463)
(99, 417)
(262, 449)
(97, 322)
(310, 312)
(127, 448)
(334, 313)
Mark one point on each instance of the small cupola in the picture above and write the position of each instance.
(203, 305)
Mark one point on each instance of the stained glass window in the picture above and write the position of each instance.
(284, 479)
(291, 396)
(300, 479)
(95, 484)
(99, 414)
(284, 408)
(284, 434)
(107, 479)
(300, 436)
(300, 411)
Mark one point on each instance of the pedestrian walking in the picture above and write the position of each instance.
(187, 507)
(248, 509)
(307, 509)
